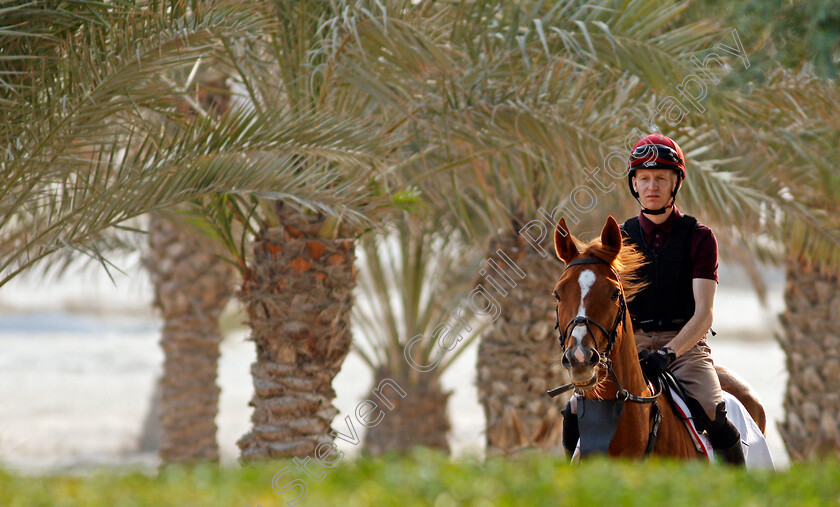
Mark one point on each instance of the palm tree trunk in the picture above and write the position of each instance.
(298, 294)
(811, 340)
(519, 357)
(150, 434)
(192, 286)
(419, 419)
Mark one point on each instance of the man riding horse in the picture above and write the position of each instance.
(673, 312)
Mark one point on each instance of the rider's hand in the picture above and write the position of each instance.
(656, 362)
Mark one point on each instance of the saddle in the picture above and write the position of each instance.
(674, 387)
(687, 409)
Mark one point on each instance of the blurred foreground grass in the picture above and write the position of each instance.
(431, 479)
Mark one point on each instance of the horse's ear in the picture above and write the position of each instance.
(611, 236)
(564, 245)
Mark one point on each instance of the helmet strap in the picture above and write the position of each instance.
(655, 211)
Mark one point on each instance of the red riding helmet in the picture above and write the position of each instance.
(656, 151)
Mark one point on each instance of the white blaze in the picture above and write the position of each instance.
(585, 280)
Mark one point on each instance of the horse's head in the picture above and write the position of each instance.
(590, 302)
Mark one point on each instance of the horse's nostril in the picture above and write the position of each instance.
(595, 358)
(565, 362)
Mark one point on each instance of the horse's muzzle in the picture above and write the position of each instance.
(581, 362)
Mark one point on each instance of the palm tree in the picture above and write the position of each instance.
(457, 123)
(298, 277)
(412, 276)
(79, 87)
(810, 334)
(809, 339)
(602, 65)
(192, 285)
(298, 295)
(95, 135)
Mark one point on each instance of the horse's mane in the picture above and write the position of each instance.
(626, 263)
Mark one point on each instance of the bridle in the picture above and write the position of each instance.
(620, 317)
(605, 360)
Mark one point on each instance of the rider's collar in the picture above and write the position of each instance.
(667, 226)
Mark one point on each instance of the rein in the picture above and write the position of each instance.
(605, 361)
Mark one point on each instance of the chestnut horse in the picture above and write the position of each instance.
(600, 349)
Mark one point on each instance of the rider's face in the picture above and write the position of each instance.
(654, 186)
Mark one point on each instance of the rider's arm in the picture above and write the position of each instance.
(701, 321)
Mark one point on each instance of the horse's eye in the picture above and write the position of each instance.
(556, 296)
(615, 295)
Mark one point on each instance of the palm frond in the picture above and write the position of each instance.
(410, 277)
(294, 159)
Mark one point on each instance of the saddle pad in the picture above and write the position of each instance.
(756, 451)
(701, 441)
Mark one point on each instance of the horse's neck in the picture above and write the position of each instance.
(625, 364)
(632, 434)
(634, 430)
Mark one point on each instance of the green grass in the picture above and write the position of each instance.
(430, 479)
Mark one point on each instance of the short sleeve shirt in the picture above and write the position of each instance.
(704, 247)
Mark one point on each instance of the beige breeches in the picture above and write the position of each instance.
(694, 369)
